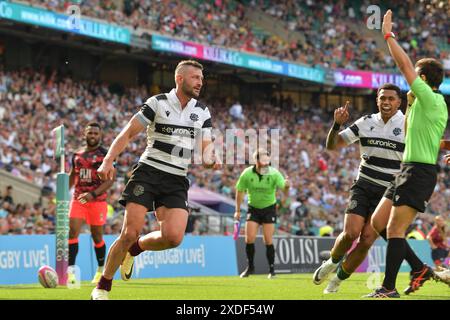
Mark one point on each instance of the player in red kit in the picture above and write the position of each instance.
(89, 198)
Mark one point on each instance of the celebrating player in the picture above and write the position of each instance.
(89, 199)
(381, 139)
(413, 187)
(261, 181)
(174, 121)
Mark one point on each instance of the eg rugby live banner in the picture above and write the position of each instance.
(22, 255)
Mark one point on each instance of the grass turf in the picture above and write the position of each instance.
(257, 287)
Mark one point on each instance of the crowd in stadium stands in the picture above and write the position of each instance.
(34, 102)
(334, 39)
(331, 36)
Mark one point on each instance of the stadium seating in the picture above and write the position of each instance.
(317, 33)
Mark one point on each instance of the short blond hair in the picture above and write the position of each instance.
(191, 63)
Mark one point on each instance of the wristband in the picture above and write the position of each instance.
(93, 194)
(389, 35)
(336, 126)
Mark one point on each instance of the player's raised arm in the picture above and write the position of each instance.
(334, 140)
(401, 59)
(133, 127)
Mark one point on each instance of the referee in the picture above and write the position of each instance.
(261, 181)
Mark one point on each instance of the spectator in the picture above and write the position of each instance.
(326, 230)
(236, 111)
(438, 242)
(7, 197)
(4, 210)
(303, 230)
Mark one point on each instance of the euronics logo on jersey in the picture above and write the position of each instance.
(178, 131)
(382, 143)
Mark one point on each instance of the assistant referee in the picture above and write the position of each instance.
(261, 182)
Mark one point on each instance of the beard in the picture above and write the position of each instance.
(92, 143)
(189, 91)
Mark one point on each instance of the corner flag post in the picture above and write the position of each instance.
(62, 208)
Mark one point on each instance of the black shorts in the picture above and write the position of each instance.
(264, 215)
(415, 185)
(439, 254)
(364, 198)
(390, 191)
(154, 188)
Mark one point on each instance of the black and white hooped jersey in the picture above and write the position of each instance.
(172, 132)
(381, 146)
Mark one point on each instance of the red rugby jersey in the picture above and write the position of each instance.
(437, 238)
(85, 164)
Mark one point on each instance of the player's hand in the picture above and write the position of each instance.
(237, 216)
(216, 165)
(445, 145)
(85, 197)
(106, 170)
(387, 22)
(447, 159)
(341, 114)
(411, 97)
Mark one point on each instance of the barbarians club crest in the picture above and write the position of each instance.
(194, 117)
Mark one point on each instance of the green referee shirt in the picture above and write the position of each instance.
(261, 188)
(426, 122)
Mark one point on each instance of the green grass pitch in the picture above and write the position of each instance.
(257, 287)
